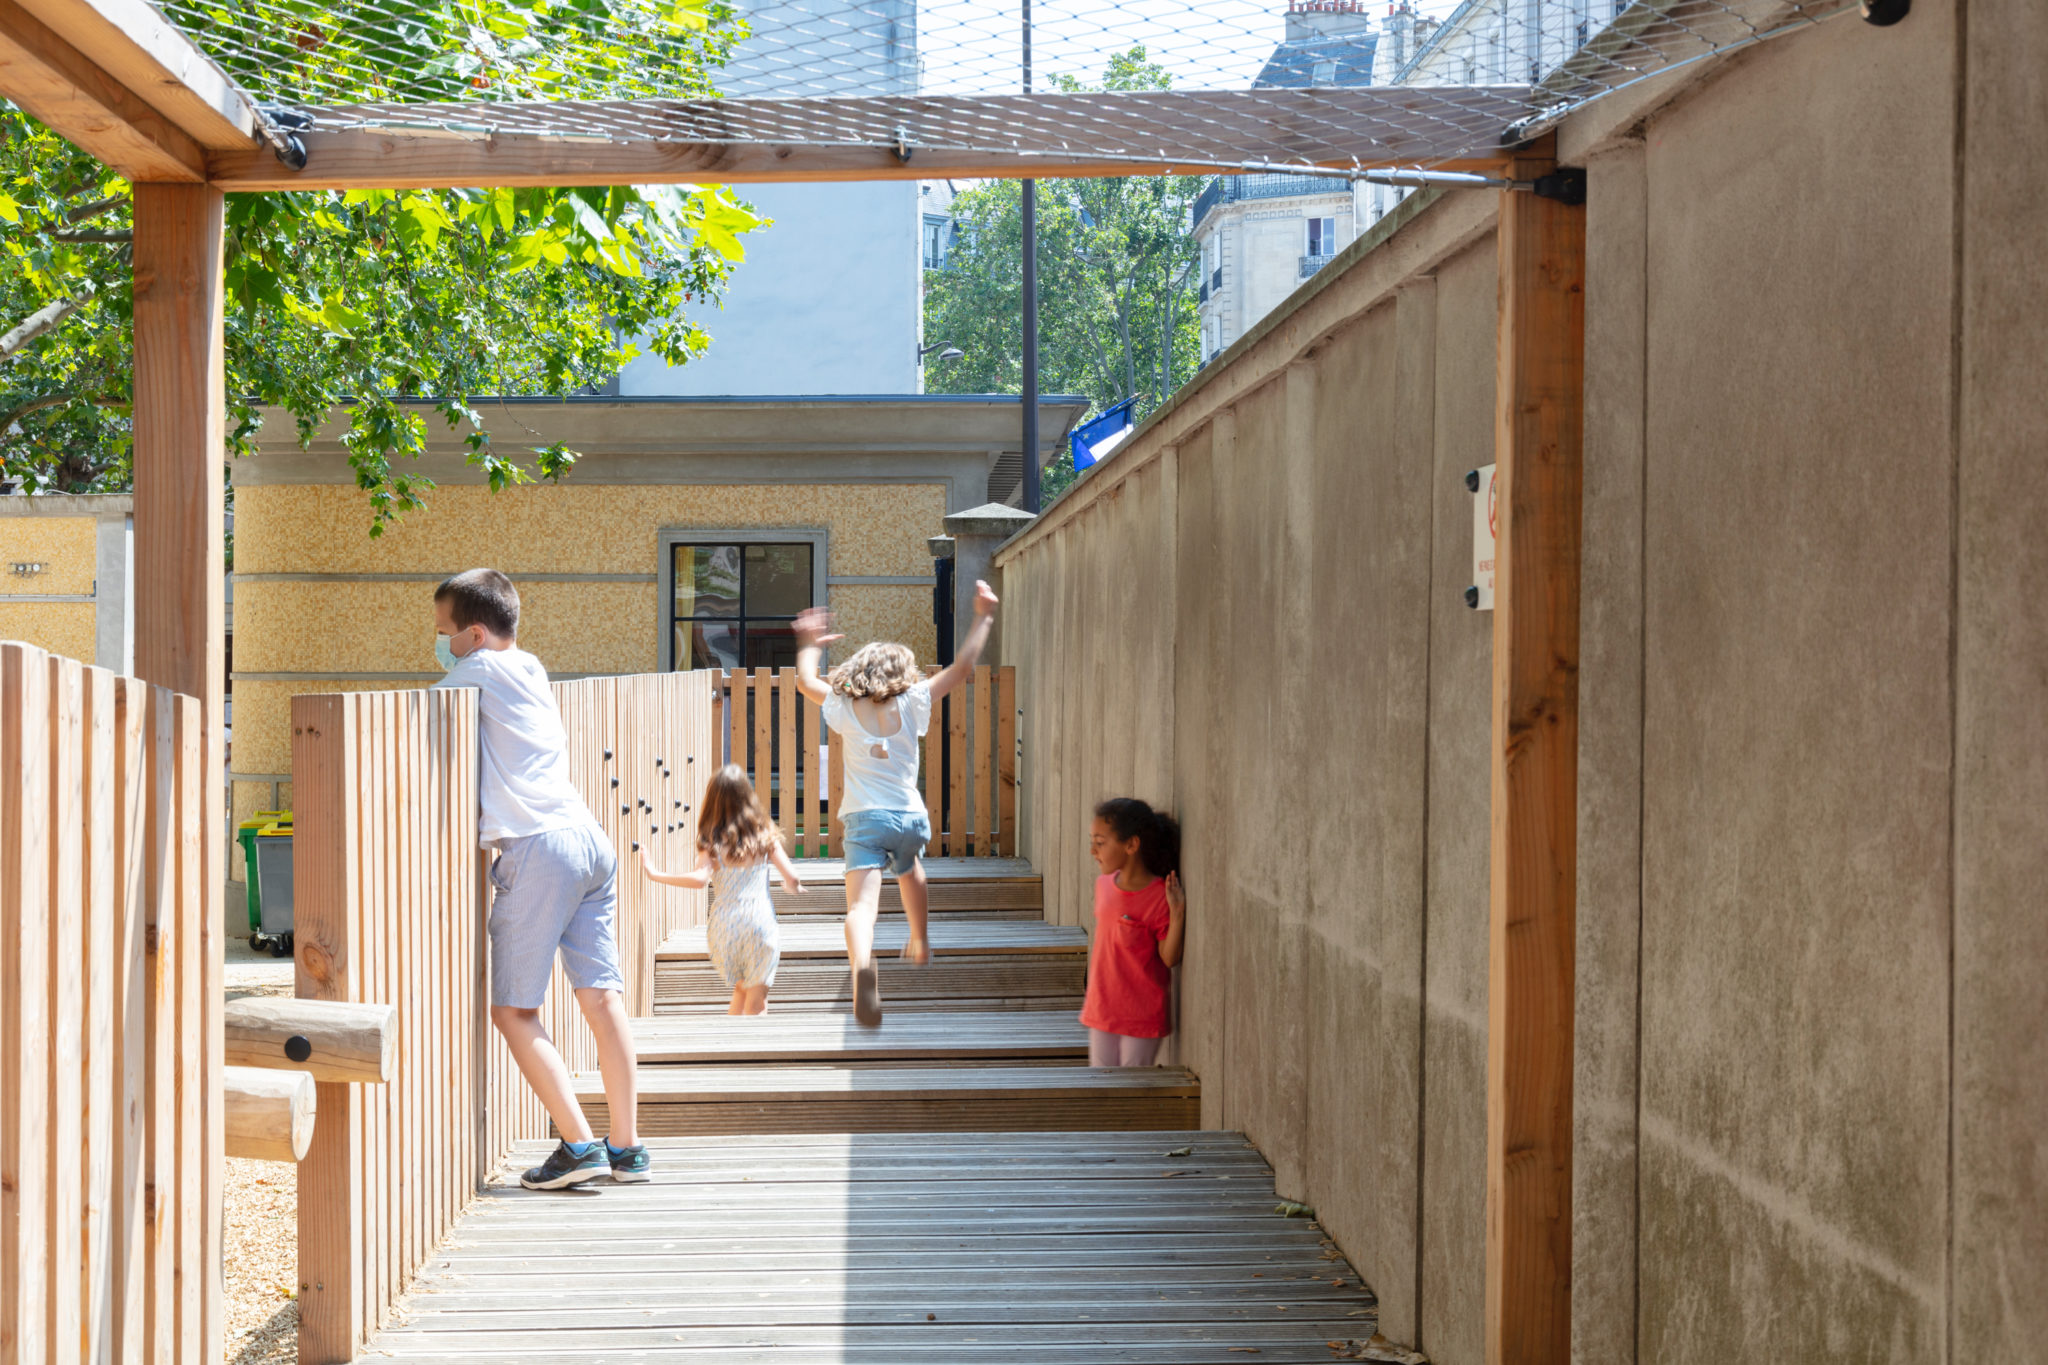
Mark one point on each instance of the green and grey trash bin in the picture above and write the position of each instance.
(266, 841)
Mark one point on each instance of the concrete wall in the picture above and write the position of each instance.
(77, 605)
(1812, 1053)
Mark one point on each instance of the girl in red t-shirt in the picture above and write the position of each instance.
(1140, 915)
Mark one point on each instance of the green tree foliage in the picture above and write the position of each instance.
(1117, 284)
(359, 301)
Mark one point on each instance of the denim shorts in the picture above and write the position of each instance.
(558, 889)
(888, 839)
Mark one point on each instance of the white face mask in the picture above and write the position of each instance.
(444, 651)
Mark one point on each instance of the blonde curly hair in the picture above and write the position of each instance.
(878, 672)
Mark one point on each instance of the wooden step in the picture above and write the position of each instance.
(799, 1099)
(950, 938)
(976, 981)
(902, 1037)
(993, 888)
(1009, 964)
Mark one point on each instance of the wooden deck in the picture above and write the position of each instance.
(1062, 1248)
(954, 1186)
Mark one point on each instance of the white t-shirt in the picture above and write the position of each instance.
(881, 770)
(523, 784)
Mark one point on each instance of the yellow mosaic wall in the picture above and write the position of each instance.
(328, 628)
(68, 545)
(66, 628)
(574, 528)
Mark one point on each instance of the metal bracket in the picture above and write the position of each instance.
(1885, 13)
(903, 147)
(1566, 184)
(281, 127)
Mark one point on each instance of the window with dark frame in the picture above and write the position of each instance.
(735, 604)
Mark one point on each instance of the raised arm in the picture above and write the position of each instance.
(813, 625)
(696, 879)
(955, 673)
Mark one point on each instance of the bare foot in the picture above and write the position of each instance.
(918, 952)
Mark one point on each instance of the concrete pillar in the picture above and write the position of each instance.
(976, 533)
(113, 586)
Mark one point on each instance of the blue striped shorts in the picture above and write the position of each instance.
(556, 890)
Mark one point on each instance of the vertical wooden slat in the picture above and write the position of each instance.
(191, 1272)
(1006, 760)
(132, 1193)
(326, 887)
(761, 683)
(160, 1041)
(1539, 395)
(786, 698)
(935, 776)
(100, 954)
(736, 719)
(813, 776)
(25, 752)
(980, 768)
(957, 826)
(63, 1139)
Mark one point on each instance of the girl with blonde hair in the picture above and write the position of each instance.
(736, 845)
(878, 704)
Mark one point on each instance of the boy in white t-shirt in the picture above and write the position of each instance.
(555, 879)
(879, 705)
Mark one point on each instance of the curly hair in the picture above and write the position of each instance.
(878, 672)
(733, 827)
(1157, 833)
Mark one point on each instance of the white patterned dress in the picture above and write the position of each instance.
(745, 941)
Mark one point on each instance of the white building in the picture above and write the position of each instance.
(1481, 42)
(1262, 235)
(828, 298)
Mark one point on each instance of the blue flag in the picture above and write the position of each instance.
(1095, 438)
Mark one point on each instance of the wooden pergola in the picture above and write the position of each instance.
(122, 83)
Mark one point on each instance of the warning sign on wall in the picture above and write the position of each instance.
(1485, 529)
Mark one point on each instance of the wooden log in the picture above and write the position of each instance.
(269, 1113)
(1534, 760)
(334, 1040)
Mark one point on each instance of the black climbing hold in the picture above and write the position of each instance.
(298, 1048)
(636, 845)
(607, 755)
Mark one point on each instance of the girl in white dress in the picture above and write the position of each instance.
(736, 843)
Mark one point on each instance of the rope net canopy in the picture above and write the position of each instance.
(1187, 83)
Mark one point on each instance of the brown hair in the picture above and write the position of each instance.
(482, 597)
(733, 827)
(878, 672)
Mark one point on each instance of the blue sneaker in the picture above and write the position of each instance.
(564, 1168)
(629, 1164)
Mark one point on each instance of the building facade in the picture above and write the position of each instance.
(1262, 235)
(67, 575)
(688, 536)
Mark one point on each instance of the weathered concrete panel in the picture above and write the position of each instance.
(1460, 700)
(1797, 706)
(1610, 899)
(2000, 1305)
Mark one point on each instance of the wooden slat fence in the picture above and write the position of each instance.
(969, 764)
(110, 992)
(391, 905)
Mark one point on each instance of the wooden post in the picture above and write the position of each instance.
(180, 616)
(1539, 417)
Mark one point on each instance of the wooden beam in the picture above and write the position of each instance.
(1539, 418)
(334, 1040)
(269, 1113)
(376, 160)
(55, 83)
(179, 426)
(136, 45)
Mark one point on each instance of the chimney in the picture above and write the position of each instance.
(1311, 19)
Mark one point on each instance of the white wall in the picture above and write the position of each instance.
(826, 301)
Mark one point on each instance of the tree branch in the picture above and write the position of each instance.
(43, 320)
(91, 235)
(97, 207)
(53, 400)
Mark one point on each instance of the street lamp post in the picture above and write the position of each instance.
(1032, 495)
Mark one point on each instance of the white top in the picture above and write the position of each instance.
(881, 770)
(523, 782)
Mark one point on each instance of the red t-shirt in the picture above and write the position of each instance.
(1127, 983)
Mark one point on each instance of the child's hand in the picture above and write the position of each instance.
(985, 599)
(1176, 898)
(812, 625)
(647, 866)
